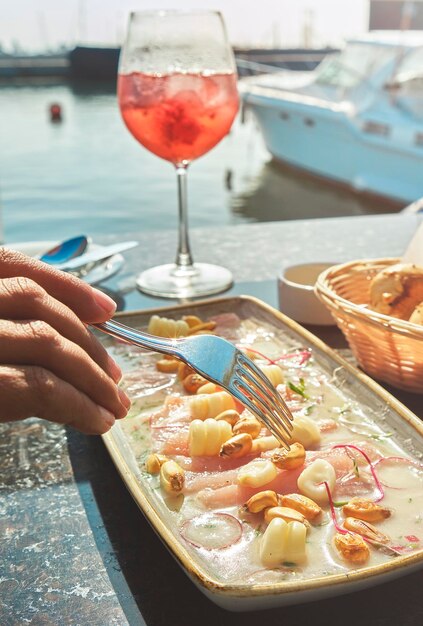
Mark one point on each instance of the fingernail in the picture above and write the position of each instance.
(115, 370)
(124, 399)
(104, 301)
(108, 417)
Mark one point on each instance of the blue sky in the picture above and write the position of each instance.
(38, 24)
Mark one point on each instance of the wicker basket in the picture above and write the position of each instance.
(387, 348)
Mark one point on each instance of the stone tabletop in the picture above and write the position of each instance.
(74, 548)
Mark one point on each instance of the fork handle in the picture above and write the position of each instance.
(139, 338)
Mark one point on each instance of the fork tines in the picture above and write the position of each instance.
(259, 395)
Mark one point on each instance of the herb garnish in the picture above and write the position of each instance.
(356, 471)
(300, 388)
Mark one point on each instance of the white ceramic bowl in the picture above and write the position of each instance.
(296, 294)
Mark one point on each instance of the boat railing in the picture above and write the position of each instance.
(253, 67)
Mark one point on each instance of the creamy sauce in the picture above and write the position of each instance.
(341, 418)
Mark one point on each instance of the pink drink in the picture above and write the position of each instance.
(178, 116)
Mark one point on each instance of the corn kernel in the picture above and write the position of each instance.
(249, 425)
(207, 388)
(289, 460)
(168, 366)
(285, 513)
(231, 416)
(365, 529)
(204, 406)
(366, 510)
(273, 373)
(310, 481)
(305, 431)
(154, 463)
(193, 382)
(307, 507)
(260, 501)
(257, 473)
(262, 444)
(163, 327)
(283, 541)
(206, 437)
(172, 477)
(236, 446)
(192, 320)
(352, 547)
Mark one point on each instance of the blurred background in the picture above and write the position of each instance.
(68, 164)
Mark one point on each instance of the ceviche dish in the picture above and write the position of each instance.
(347, 495)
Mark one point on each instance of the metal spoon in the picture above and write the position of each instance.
(65, 251)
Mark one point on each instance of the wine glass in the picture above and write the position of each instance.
(177, 91)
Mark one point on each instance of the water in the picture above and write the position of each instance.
(88, 175)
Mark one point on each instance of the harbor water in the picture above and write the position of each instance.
(86, 174)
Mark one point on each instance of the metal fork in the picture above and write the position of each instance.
(219, 361)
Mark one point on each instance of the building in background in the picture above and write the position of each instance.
(396, 15)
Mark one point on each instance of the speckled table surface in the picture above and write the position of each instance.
(75, 549)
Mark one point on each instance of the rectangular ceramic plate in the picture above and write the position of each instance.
(356, 385)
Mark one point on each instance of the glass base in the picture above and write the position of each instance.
(171, 281)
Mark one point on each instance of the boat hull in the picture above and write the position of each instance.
(329, 143)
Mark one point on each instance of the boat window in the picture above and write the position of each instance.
(411, 68)
(356, 63)
(407, 85)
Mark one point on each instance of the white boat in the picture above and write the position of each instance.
(357, 119)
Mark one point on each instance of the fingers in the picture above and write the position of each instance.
(88, 303)
(28, 391)
(38, 344)
(23, 299)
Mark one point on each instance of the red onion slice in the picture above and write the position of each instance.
(212, 531)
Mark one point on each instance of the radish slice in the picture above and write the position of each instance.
(212, 531)
(389, 476)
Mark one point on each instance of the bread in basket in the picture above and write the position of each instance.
(385, 347)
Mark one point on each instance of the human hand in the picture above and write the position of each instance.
(51, 366)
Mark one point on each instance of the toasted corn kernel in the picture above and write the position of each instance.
(273, 373)
(289, 460)
(304, 505)
(237, 446)
(231, 416)
(289, 515)
(184, 370)
(206, 437)
(192, 320)
(260, 501)
(366, 510)
(168, 366)
(193, 382)
(257, 473)
(262, 444)
(305, 431)
(154, 463)
(172, 477)
(283, 541)
(207, 388)
(202, 326)
(311, 480)
(249, 425)
(365, 529)
(210, 405)
(352, 547)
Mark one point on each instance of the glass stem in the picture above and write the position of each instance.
(184, 258)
